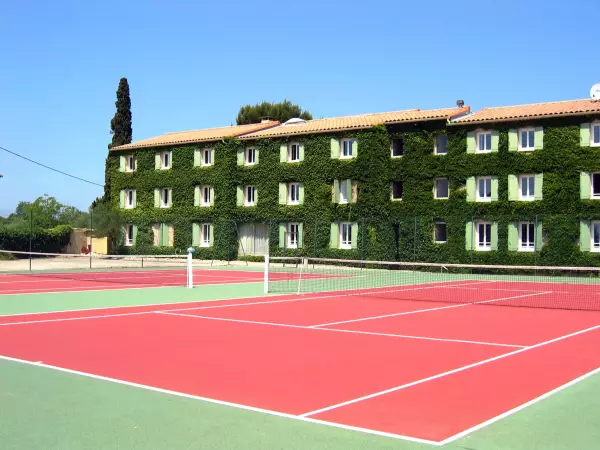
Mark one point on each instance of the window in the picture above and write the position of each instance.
(205, 235)
(484, 142)
(292, 235)
(595, 185)
(129, 198)
(130, 163)
(164, 198)
(595, 247)
(347, 148)
(345, 235)
(294, 152)
(294, 194)
(441, 188)
(343, 192)
(441, 144)
(205, 199)
(206, 157)
(397, 190)
(397, 148)
(165, 160)
(439, 232)
(484, 189)
(129, 235)
(526, 237)
(595, 134)
(250, 156)
(483, 238)
(250, 195)
(527, 187)
(526, 139)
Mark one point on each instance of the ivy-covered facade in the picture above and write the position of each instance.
(499, 186)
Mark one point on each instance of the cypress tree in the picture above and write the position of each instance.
(120, 125)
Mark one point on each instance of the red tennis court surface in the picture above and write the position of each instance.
(412, 369)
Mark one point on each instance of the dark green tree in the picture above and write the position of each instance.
(120, 125)
(281, 111)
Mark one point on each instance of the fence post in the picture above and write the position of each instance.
(30, 235)
(91, 235)
(415, 241)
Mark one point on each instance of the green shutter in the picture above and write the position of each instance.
(354, 235)
(585, 186)
(539, 138)
(134, 198)
(584, 236)
(494, 189)
(469, 236)
(538, 187)
(282, 230)
(495, 140)
(256, 195)
(513, 237)
(471, 189)
(170, 202)
(336, 191)
(538, 236)
(282, 193)
(195, 235)
(301, 193)
(122, 199)
(513, 140)
(335, 235)
(355, 155)
(157, 161)
(283, 152)
(513, 188)
(163, 238)
(471, 142)
(156, 198)
(494, 240)
(212, 196)
(211, 239)
(335, 148)
(301, 147)
(584, 135)
(122, 163)
(240, 195)
(196, 195)
(300, 233)
(255, 158)
(197, 157)
(349, 190)
(240, 156)
(212, 156)
(134, 237)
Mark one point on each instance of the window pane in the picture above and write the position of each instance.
(531, 182)
(397, 190)
(397, 147)
(442, 188)
(441, 142)
(596, 134)
(488, 141)
(596, 235)
(440, 232)
(531, 138)
(481, 142)
(596, 184)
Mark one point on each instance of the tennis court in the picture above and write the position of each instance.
(430, 361)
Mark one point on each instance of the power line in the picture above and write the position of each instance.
(51, 168)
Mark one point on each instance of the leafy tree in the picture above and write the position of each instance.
(282, 112)
(106, 221)
(45, 212)
(120, 125)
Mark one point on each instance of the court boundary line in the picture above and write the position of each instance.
(283, 325)
(221, 402)
(447, 373)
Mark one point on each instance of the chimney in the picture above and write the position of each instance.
(460, 103)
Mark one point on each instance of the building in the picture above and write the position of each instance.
(511, 185)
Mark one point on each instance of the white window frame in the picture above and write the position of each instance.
(392, 148)
(435, 188)
(592, 195)
(436, 223)
(343, 191)
(249, 191)
(293, 189)
(129, 198)
(205, 235)
(478, 197)
(291, 152)
(487, 246)
(206, 154)
(164, 192)
(593, 246)
(292, 235)
(530, 144)
(129, 235)
(347, 144)
(130, 163)
(345, 241)
(530, 246)
(392, 191)
(205, 190)
(531, 195)
(593, 125)
(478, 135)
(165, 160)
(250, 151)
(435, 148)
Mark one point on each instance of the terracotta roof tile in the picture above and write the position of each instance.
(195, 136)
(356, 122)
(535, 110)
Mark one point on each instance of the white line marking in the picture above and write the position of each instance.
(444, 374)
(405, 336)
(222, 402)
(426, 310)
(519, 408)
(68, 319)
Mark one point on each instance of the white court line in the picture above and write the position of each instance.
(383, 316)
(222, 402)
(444, 374)
(404, 336)
(68, 319)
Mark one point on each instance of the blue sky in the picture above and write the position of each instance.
(192, 64)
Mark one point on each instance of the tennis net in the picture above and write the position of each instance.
(576, 288)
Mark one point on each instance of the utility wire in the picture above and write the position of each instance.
(50, 168)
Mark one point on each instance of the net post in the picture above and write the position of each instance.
(266, 277)
(190, 272)
(30, 235)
